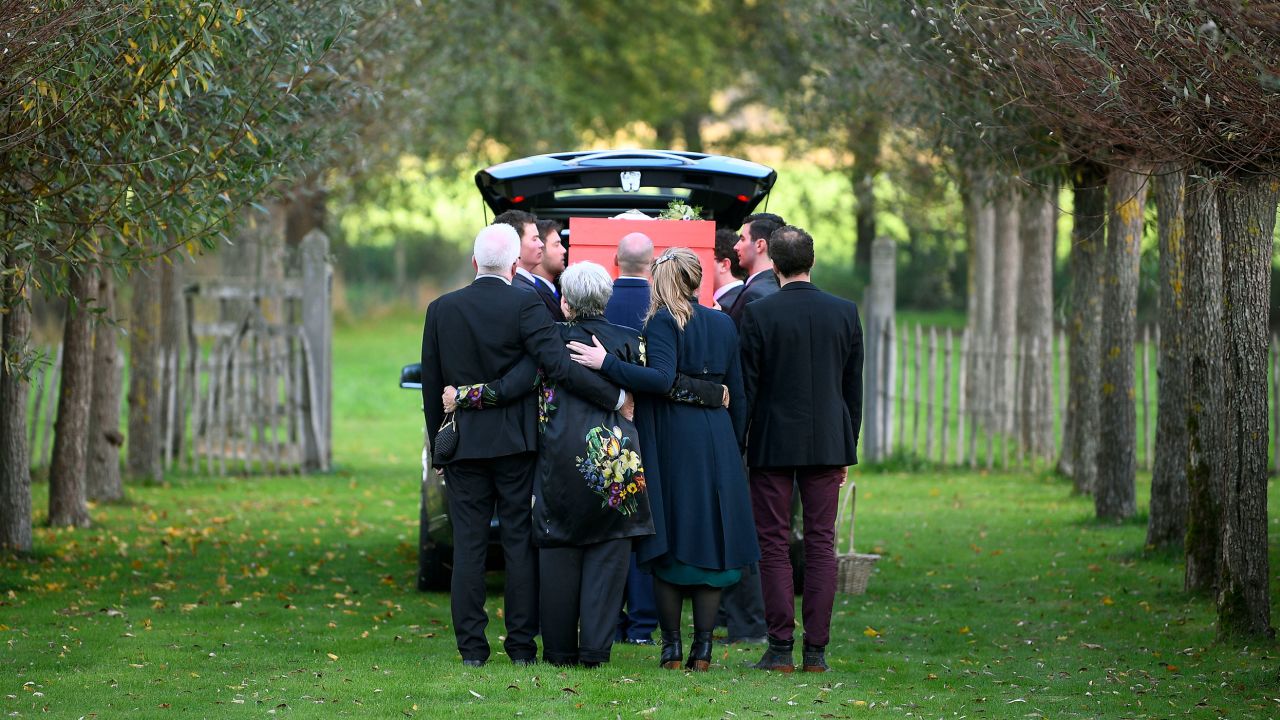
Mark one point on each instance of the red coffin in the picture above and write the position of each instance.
(596, 239)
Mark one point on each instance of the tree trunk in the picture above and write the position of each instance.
(15, 471)
(145, 419)
(1035, 316)
(1115, 497)
(1007, 266)
(982, 231)
(1248, 220)
(865, 144)
(1205, 415)
(1167, 523)
(102, 480)
(691, 128)
(1084, 327)
(68, 506)
(173, 320)
(307, 210)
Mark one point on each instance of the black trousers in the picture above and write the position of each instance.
(476, 489)
(742, 606)
(581, 593)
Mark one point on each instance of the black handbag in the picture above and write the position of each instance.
(446, 441)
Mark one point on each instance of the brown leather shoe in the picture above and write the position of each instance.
(700, 652)
(814, 658)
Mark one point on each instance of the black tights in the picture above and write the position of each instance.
(670, 598)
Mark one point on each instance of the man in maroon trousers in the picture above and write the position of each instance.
(802, 371)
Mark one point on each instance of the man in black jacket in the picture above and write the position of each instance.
(742, 604)
(802, 373)
(482, 331)
(753, 254)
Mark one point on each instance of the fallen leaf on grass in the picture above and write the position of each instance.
(473, 692)
(1091, 646)
(871, 632)
(331, 656)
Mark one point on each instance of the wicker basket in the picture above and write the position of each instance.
(853, 569)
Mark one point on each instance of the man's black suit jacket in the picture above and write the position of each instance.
(545, 294)
(802, 373)
(480, 332)
(730, 297)
(760, 286)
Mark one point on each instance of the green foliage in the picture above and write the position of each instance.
(141, 128)
(995, 592)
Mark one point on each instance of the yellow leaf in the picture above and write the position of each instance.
(1106, 600)
(871, 632)
(331, 656)
(964, 630)
(160, 105)
(249, 134)
(240, 18)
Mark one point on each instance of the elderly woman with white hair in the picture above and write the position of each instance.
(590, 491)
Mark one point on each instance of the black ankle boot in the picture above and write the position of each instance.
(672, 653)
(778, 657)
(815, 658)
(700, 652)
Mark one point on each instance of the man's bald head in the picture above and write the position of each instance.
(635, 254)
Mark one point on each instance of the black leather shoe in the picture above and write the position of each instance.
(672, 652)
(815, 658)
(700, 652)
(778, 657)
(472, 663)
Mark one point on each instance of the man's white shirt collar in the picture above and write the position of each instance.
(503, 279)
(544, 281)
(724, 289)
(632, 277)
(528, 275)
(756, 274)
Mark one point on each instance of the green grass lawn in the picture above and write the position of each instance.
(997, 596)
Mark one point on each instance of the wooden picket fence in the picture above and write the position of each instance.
(929, 411)
(240, 404)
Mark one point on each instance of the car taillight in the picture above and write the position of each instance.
(743, 198)
(518, 199)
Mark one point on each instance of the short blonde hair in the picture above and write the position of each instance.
(677, 275)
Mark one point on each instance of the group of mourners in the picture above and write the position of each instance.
(627, 437)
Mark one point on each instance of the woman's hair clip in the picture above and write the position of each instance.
(663, 258)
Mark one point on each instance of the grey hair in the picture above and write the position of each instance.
(586, 287)
(496, 249)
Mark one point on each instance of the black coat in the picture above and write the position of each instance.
(802, 376)
(760, 286)
(591, 481)
(483, 331)
(730, 297)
